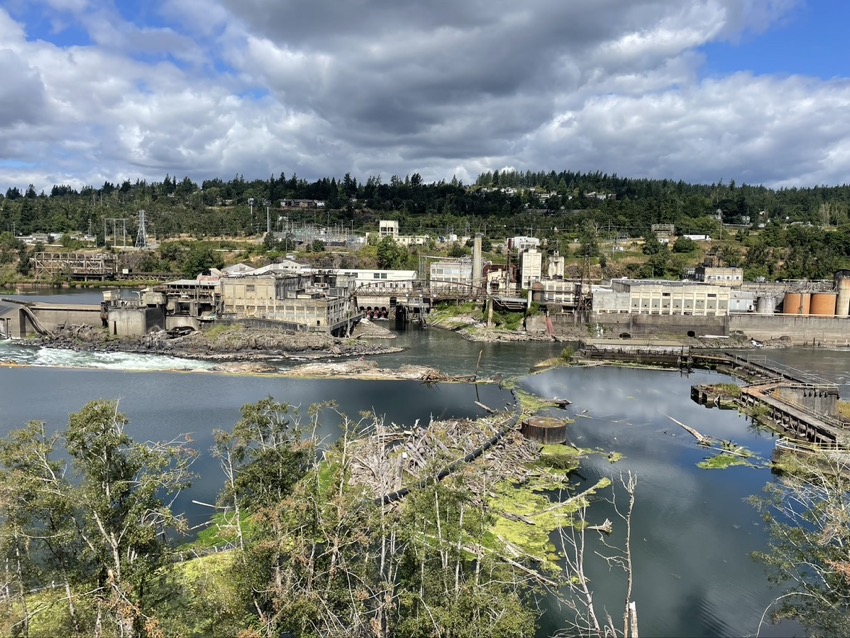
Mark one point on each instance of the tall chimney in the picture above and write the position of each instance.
(476, 263)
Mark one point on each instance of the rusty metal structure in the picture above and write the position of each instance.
(80, 266)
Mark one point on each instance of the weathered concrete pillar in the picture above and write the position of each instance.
(476, 263)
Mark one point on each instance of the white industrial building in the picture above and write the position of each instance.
(531, 267)
(651, 297)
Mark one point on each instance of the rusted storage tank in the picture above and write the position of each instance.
(537, 292)
(766, 305)
(842, 287)
(823, 304)
(796, 303)
(546, 430)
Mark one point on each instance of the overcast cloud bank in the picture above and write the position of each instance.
(94, 91)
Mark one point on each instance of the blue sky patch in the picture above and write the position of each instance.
(811, 41)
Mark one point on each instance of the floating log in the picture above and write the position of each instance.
(702, 440)
(606, 527)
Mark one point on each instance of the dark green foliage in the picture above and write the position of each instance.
(684, 245)
(570, 201)
(266, 452)
(807, 515)
(392, 255)
(199, 259)
(10, 248)
(98, 524)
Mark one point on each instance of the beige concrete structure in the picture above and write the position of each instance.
(661, 298)
(250, 296)
(388, 228)
(556, 266)
(531, 268)
(451, 275)
(557, 292)
(312, 303)
(732, 277)
(413, 240)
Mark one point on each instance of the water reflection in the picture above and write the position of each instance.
(161, 406)
(693, 531)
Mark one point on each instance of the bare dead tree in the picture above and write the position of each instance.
(587, 620)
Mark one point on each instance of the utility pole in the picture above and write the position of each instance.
(115, 221)
(268, 222)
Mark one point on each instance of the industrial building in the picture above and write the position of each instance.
(629, 296)
(388, 228)
(451, 275)
(313, 303)
(732, 277)
(531, 267)
(559, 294)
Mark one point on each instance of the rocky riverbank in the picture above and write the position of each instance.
(233, 343)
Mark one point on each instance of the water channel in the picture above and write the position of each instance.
(693, 529)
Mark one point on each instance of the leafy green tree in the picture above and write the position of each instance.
(456, 250)
(24, 262)
(684, 245)
(200, 258)
(391, 255)
(264, 455)
(808, 515)
(123, 517)
(38, 536)
(100, 527)
(651, 245)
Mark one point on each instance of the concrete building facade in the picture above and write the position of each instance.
(559, 293)
(308, 302)
(531, 268)
(732, 277)
(556, 266)
(661, 298)
(451, 275)
(522, 242)
(388, 228)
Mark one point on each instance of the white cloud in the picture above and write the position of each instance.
(256, 87)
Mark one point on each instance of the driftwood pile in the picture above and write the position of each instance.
(392, 458)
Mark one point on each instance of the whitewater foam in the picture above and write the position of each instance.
(64, 358)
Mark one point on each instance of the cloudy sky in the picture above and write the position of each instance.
(752, 90)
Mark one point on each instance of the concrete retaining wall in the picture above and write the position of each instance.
(53, 318)
(126, 322)
(816, 400)
(798, 330)
(613, 325)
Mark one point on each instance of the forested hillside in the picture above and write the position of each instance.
(785, 233)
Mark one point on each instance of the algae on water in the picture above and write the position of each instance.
(723, 461)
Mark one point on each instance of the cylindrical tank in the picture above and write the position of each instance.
(546, 430)
(766, 305)
(823, 304)
(842, 287)
(796, 303)
(537, 291)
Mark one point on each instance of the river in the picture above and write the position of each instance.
(693, 532)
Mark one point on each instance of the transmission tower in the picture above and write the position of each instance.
(142, 236)
(115, 221)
